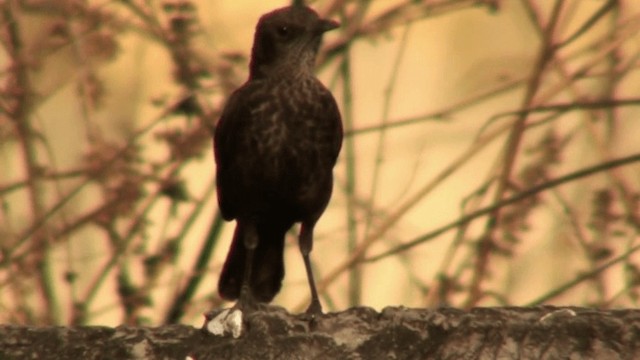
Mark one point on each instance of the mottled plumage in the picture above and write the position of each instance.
(276, 144)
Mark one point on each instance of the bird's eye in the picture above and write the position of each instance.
(284, 31)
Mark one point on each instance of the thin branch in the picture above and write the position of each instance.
(508, 201)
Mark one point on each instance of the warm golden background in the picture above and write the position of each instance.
(450, 106)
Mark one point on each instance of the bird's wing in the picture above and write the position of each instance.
(335, 121)
(229, 135)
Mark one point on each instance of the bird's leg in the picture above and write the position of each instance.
(306, 245)
(250, 242)
(230, 321)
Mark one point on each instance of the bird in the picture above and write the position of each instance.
(275, 145)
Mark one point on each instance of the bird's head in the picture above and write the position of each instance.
(286, 41)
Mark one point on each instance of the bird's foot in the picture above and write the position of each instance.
(231, 320)
(312, 314)
(314, 309)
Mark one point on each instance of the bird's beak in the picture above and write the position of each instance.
(326, 25)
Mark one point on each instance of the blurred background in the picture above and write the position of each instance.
(491, 157)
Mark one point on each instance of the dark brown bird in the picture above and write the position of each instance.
(276, 144)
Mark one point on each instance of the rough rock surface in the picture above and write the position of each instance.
(357, 333)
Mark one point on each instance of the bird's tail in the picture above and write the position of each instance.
(268, 264)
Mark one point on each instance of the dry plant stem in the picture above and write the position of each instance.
(124, 290)
(579, 231)
(581, 278)
(579, 104)
(19, 114)
(442, 284)
(355, 274)
(605, 51)
(381, 149)
(613, 75)
(615, 71)
(585, 242)
(176, 40)
(180, 301)
(386, 108)
(23, 247)
(331, 8)
(442, 114)
(508, 201)
(121, 245)
(587, 25)
(121, 249)
(397, 15)
(355, 277)
(582, 102)
(149, 21)
(370, 211)
(511, 151)
(600, 239)
(138, 220)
